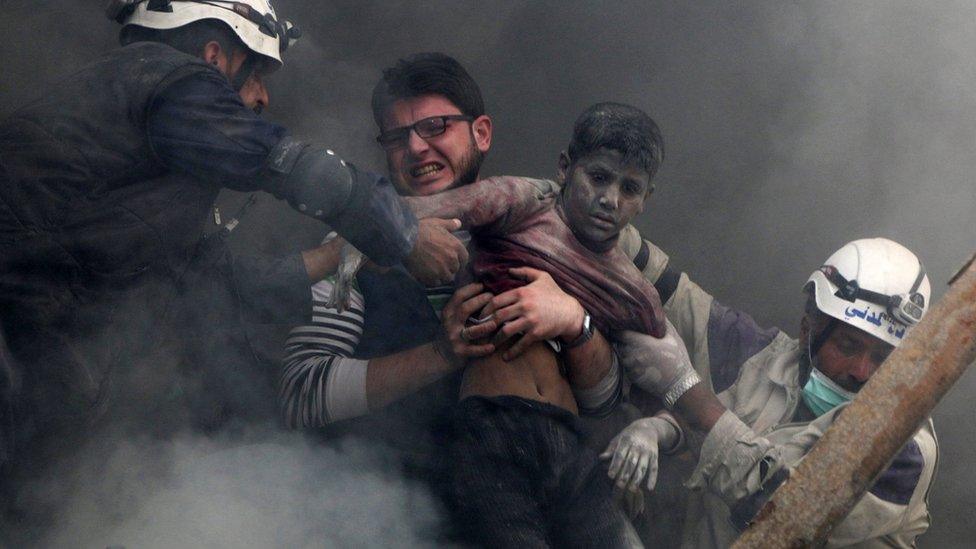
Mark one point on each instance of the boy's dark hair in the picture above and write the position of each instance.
(427, 73)
(189, 39)
(625, 129)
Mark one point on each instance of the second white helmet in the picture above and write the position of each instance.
(874, 284)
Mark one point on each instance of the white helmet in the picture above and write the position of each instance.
(253, 21)
(873, 284)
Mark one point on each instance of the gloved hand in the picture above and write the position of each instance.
(634, 452)
(660, 366)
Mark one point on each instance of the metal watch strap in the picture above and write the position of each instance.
(679, 388)
(585, 334)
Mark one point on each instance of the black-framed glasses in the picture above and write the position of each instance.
(428, 127)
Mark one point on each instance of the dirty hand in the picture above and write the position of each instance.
(438, 254)
(634, 452)
(660, 366)
(467, 340)
(539, 310)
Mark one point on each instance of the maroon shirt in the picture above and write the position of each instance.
(515, 222)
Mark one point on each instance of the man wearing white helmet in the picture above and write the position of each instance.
(777, 395)
(106, 183)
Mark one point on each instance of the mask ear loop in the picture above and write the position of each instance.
(813, 347)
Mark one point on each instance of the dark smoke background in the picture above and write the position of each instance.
(791, 128)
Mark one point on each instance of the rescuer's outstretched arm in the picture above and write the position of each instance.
(361, 206)
(197, 124)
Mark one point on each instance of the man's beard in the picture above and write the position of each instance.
(469, 167)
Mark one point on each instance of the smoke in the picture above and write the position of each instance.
(791, 128)
(263, 488)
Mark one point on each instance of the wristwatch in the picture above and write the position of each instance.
(585, 334)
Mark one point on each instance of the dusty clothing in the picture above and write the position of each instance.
(515, 222)
(106, 182)
(756, 373)
(741, 469)
(521, 476)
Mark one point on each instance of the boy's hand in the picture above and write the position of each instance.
(539, 310)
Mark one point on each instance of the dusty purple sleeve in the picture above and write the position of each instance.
(897, 483)
(733, 337)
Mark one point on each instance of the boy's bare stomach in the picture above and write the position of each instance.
(534, 375)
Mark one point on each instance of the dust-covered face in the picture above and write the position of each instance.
(601, 195)
(850, 356)
(422, 166)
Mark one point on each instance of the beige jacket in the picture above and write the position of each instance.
(758, 437)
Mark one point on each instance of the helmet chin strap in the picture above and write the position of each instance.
(817, 343)
(244, 72)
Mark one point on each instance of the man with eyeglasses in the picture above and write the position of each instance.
(435, 133)
(387, 359)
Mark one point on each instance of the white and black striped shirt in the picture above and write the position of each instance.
(321, 382)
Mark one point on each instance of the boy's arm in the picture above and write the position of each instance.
(493, 205)
(594, 375)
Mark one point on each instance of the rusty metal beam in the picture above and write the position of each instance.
(878, 422)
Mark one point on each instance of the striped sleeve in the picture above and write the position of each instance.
(320, 381)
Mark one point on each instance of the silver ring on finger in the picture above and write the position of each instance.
(463, 334)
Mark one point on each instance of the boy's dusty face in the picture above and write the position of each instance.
(601, 194)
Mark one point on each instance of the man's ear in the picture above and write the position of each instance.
(481, 129)
(650, 191)
(214, 55)
(562, 169)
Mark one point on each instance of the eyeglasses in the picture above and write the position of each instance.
(426, 128)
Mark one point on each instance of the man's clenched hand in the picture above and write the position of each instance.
(467, 340)
(438, 254)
